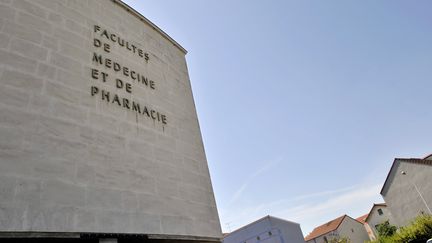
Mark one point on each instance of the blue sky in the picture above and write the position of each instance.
(303, 105)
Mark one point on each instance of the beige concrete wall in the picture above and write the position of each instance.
(321, 239)
(348, 228)
(374, 218)
(73, 162)
(353, 230)
(369, 231)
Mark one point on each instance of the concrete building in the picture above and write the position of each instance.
(341, 227)
(99, 136)
(377, 215)
(407, 190)
(368, 229)
(267, 230)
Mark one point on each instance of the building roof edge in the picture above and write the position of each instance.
(425, 161)
(147, 21)
(341, 218)
(373, 206)
(268, 217)
(388, 175)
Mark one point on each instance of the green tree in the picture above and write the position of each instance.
(417, 231)
(339, 240)
(386, 229)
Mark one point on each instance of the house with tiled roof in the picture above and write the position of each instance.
(369, 231)
(376, 216)
(341, 227)
(407, 189)
(362, 218)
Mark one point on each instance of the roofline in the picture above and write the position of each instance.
(244, 226)
(263, 218)
(408, 160)
(354, 220)
(358, 218)
(388, 175)
(147, 21)
(270, 217)
(374, 205)
(344, 216)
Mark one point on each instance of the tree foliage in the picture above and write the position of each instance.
(339, 240)
(386, 229)
(419, 230)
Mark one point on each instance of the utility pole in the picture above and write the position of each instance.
(228, 225)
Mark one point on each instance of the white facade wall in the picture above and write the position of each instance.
(370, 232)
(403, 193)
(353, 230)
(349, 228)
(73, 162)
(267, 230)
(374, 218)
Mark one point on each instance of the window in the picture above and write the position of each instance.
(325, 239)
(380, 212)
(352, 230)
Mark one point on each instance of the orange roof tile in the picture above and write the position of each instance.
(325, 228)
(362, 219)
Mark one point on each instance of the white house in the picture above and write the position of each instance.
(344, 226)
(407, 190)
(378, 214)
(368, 229)
(267, 230)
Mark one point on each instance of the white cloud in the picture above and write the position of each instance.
(239, 192)
(343, 201)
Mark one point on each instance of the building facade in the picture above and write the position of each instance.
(407, 190)
(368, 229)
(378, 214)
(342, 227)
(99, 136)
(267, 230)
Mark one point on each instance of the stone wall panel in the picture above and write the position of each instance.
(81, 151)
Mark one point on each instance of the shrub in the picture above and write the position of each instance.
(386, 229)
(417, 231)
(339, 240)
